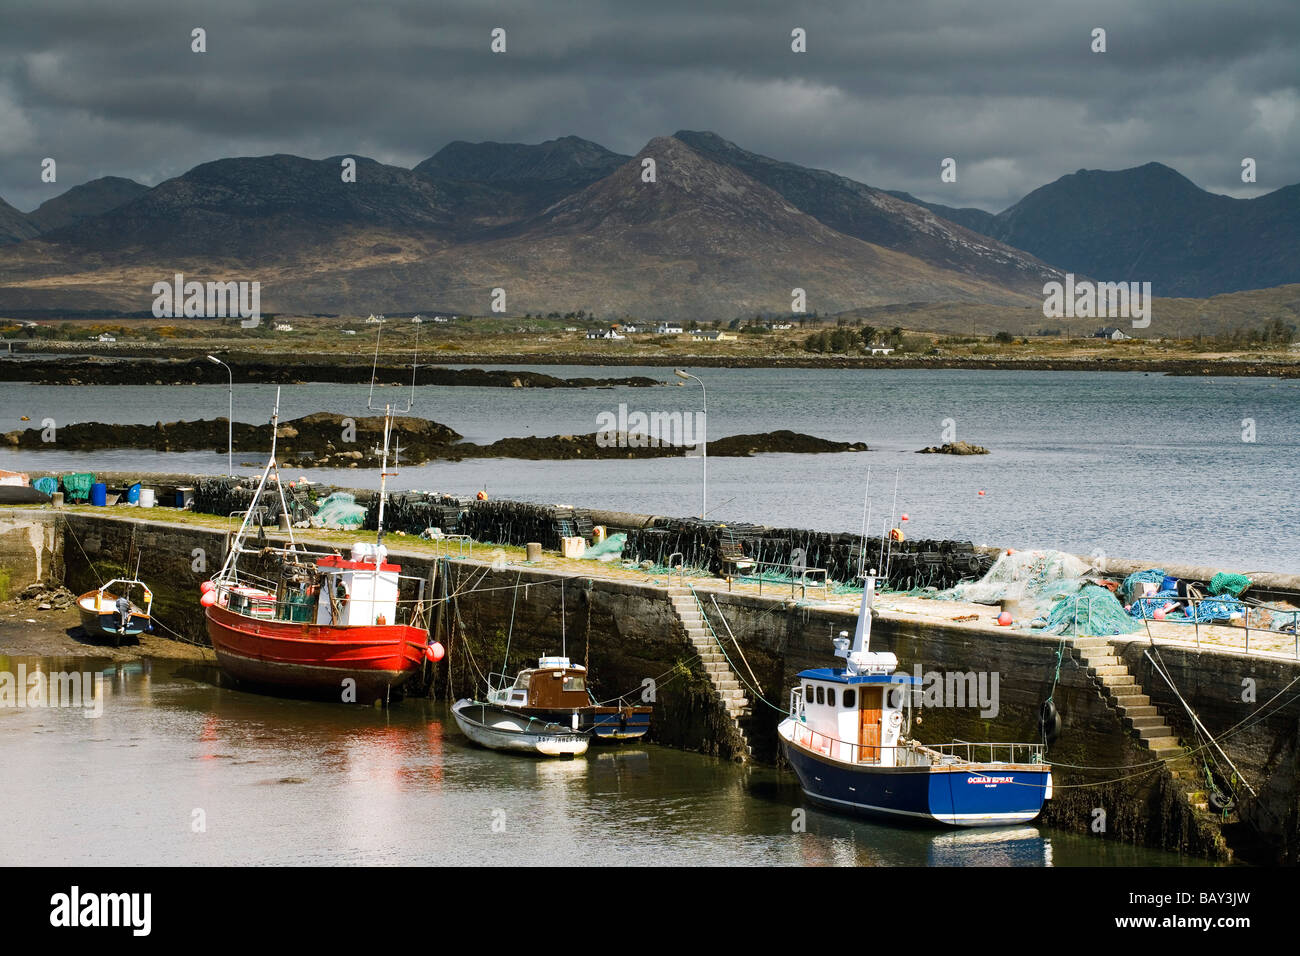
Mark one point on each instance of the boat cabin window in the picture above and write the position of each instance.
(521, 680)
(830, 696)
(574, 682)
(821, 694)
(850, 698)
(808, 693)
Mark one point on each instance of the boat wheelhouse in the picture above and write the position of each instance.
(847, 738)
(556, 690)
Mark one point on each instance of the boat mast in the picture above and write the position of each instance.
(389, 412)
(383, 473)
(236, 546)
(862, 636)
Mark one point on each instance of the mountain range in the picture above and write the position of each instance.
(716, 232)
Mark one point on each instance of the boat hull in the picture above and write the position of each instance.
(316, 659)
(499, 728)
(959, 795)
(602, 724)
(104, 625)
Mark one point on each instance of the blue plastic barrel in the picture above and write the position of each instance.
(99, 494)
(133, 494)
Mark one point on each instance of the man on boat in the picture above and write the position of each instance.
(123, 613)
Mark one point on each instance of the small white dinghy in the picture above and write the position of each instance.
(499, 728)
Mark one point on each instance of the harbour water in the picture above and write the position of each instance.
(181, 770)
(1140, 465)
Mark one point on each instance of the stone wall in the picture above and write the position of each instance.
(627, 633)
(30, 551)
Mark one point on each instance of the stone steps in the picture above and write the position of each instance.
(1124, 695)
(730, 691)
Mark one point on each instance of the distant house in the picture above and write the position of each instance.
(780, 326)
(702, 336)
(881, 350)
(604, 334)
(666, 328)
(106, 338)
(417, 319)
(348, 331)
(1110, 332)
(374, 319)
(284, 327)
(630, 329)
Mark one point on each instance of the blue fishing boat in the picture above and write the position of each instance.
(847, 738)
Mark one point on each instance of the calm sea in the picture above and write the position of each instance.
(1130, 464)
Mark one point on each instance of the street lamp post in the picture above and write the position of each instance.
(704, 442)
(230, 416)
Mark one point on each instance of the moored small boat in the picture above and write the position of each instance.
(556, 691)
(109, 613)
(846, 737)
(503, 728)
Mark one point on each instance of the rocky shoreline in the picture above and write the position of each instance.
(183, 367)
(328, 440)
(291, 370)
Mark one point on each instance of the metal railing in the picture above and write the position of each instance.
(680, 568)
(798, 578)
(464, 545)
(1172, 603)
(968, 750)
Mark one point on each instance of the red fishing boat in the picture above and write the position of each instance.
(319, 623)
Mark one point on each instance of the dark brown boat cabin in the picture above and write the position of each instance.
(554, 682)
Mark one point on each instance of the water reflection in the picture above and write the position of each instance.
(293, 781)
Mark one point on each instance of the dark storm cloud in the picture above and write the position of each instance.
(884, 93)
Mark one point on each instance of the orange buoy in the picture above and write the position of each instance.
(903, 517)
(1005, 618)
(981, 494)
(481, 496)
(434, 652)
(208, 598)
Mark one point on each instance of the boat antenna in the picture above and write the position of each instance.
(866, 516)
(564, 643)
(893, 511)
(389, 412)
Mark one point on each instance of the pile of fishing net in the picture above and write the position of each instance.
(1032, 580)
(1093, 611)
(339, 510)
(1049, 590)
(611, 549)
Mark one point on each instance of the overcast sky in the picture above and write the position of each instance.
(886, 90)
